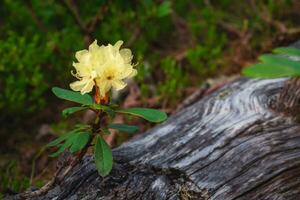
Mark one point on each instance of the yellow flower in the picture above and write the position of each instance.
(104, 66)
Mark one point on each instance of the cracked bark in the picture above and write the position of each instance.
(237, 143)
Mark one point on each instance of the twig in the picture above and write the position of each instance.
(98, 17)
(134, 36)
(45, 188)
(86, 28)
(265, 16)
(74, 11)
(34, 163)
(35, 18)
(230, 29)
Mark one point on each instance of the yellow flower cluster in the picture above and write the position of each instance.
(103, 66)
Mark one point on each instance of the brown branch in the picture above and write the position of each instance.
(87, 28)
(98, 17)
(229, 28)
(75, 13)
(34, 16)
(267, 18)
(45, 188)
(134, 36)
(184, 34)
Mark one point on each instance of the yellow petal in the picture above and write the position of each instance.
(118, 44)
(126, 55)
(78, 85)
(84, 86)
(93, 74)
(94, 46)
(82, 69)
(118, 84)
(109, 65)
(133, 73)
(127, 72)
(88, 87)
(82, 56)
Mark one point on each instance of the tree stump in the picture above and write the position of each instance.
(237, 143)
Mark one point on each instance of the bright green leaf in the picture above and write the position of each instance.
(103, 156)
(82, 126)
(291, 51)
(105, 131)
(72, 110)
(164, 9)
(104, 108)
(278, 59)
(265, 70)
(273, 66)
(113, 105)
(60, 139)
(151, 115)
(72, 96)
(124, 128)
(69, 141)
(80, 141)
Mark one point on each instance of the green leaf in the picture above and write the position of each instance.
(72, 96)
(164, 9)
(105, 131)
(69, 141)
(113, 105)
(82, 127)
(103, 157)
(273, 66)
(72, 110)
(124, 128)
(104, 108)
(291, 51)
(80, 141)
(60, 139)
(151, 115)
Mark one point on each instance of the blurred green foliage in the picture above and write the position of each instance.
(13, 179)
(174, 80)
(170, 40)
(177, 44)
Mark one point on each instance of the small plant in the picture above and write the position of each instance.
(99, 69)
(283, 63)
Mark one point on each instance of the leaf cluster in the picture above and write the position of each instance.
(284, 62)
(83, 136)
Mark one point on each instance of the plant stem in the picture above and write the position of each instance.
(57, 177)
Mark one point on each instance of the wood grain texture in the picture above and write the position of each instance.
(229, 145)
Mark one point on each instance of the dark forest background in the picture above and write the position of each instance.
(178, 45)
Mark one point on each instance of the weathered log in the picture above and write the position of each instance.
(233, 144)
